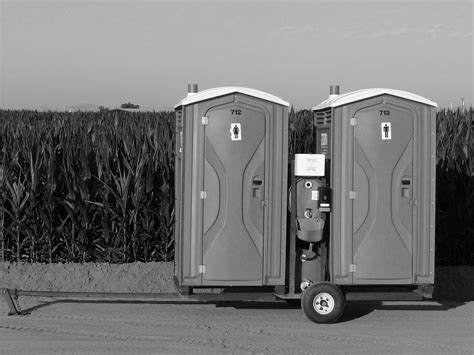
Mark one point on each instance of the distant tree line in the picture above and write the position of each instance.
(129, 105)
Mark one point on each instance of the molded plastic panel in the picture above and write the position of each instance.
(234, 178)
(382, 173)
(231, 192)
(382, 210)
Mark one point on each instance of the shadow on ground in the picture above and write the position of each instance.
(354, 309)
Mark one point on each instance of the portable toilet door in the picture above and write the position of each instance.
(382, 148)
(231, 172)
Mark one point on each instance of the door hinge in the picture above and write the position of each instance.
(205, 120)
(203, 195)
(202, 269)
(352, 195)
(352, 268)
(264, 203)
(413, 202)
(354, 121)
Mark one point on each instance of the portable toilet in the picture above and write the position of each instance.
(380, 147)
(230, 188)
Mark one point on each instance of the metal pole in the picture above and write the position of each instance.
(11, 296)
(292, 266)
(10, 302)
(192, 88)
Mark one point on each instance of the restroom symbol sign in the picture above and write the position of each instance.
(386, 129)
(235, 132)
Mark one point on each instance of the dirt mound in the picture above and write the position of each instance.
(90, 277)
(451, 283)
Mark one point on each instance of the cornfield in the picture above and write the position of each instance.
(455, 188)
(80, 187)
(98, 187)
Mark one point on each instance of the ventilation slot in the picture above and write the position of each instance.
(179, 118)
(323, 117)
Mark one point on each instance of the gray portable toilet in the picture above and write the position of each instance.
(231, 188)
(380, 145)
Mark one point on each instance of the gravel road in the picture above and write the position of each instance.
(144, 326)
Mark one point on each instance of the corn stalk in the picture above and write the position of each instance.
(80, 187)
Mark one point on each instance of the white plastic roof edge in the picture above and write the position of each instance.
(358, 95)
(221, 91)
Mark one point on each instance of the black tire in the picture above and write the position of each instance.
(323, 302)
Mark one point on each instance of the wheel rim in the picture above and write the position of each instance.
(323, 303)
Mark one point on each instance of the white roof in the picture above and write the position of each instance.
(358, 95)
(221, 91)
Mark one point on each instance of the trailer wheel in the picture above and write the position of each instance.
(323, 302)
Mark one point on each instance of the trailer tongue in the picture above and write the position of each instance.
(12, 297)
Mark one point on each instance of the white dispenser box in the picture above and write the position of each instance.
(309, 164)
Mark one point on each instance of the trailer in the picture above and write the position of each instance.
(353, 220)
(361, 207)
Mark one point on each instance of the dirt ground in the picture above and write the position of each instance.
(451, 283)
(139, 325)
(68, 326)
(100, 277)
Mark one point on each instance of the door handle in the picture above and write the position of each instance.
(256, 192)
(405, 185)
(406, 181)
(405, 192)
(257, 182)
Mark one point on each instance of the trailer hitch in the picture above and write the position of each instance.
(11, 296)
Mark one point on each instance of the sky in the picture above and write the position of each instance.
(56, 54)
